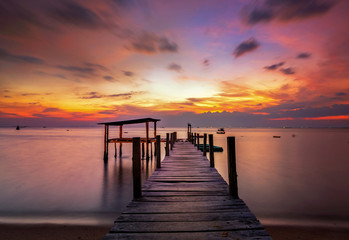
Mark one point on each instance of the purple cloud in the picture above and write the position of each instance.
(249, 45)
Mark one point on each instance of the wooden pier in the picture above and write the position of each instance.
(185, 198)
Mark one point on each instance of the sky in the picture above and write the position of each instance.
(214, 63)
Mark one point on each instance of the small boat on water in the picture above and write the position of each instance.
(276, 136)
(17, 128)
(220, 131)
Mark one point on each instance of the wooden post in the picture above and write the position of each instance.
(115, 150)
(175, 137)
(194, 139)
(204, 145)
(210, 142)
(155, 146)
(142, 150)
(158, 154)
(120, 144)
(233, 183)
(106, 132)
(167, 144)
(198, 141)
(147, 140)
(171, 141)
(136, 167)
(151, 150)
(188, 134)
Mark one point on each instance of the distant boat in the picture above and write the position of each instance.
(276, 136)
(220, 131)
(17, 128)
(215, 148)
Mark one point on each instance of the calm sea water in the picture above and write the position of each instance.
(51, 175)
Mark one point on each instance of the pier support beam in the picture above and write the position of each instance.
(115, 151)
(136, 167)
(233, 182)
(210, 142)
(204, 145)
(198, 141)
(167, 144)
(158, 152)
(171, 141)
(120, 144)
(106, 137)
(147, 140)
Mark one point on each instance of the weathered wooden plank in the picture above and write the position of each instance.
(189, 199)
(184, 217)
(217, 235)
(157, 227)
(183, 193)
(179, 209)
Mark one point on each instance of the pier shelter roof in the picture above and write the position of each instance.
(133, 121)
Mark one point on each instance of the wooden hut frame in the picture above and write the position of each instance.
(122, 140)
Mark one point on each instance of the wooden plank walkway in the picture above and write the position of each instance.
(186, 199)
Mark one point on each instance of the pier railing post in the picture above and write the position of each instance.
(233, 183)
(194, 139)
(171, 141)
(198, 141)
(204, 145)
(136, 167)
(210, 142)
(106, 136)
(167, 144)
(158, 152)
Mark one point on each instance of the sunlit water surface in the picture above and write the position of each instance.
(58, 176)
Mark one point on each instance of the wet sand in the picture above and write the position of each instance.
(73, 232)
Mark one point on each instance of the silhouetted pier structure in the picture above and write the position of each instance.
(186, 198)
(119, 124)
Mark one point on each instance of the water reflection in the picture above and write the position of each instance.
(117, 180)
(53, 172)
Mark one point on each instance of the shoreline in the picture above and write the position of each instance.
(97, 232)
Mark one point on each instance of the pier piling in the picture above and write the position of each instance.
(210, 141)
(233, 183)
(136, 167)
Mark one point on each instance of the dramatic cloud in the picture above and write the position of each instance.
(175, 67)
(51, 110)
(151, 43)
(10, 57)
(286, 10)
(128, 73)
(96, 95)
(41, 73)
(70, 12)
(30, 94)
(274, 66)
(96, 66)
(340, 94)
(76, 69)
(17, 17)
(109, 78)
(304, 55)
(247, 46)
(288, 71)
